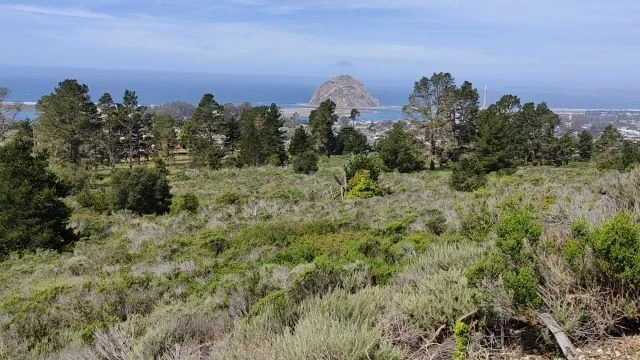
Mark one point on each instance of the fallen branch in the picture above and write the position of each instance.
(562, 339)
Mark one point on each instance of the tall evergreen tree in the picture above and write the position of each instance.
(67, 120)
(300, 142)
(321, 121)
(431, 105)
(135, 123)
(164, 135)
(351, 141)
(498, 143)
(565, 149)
(200, 133)
(250, 144)
(231, 127)
(399, 150)
(32, 214)
(466, 109)
(271, 134)
(111, 129)
(585, 145)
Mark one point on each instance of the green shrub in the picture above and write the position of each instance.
(187, 202)
(573, 251)
(361, 162)
(305, 163)
(522, 284)
(97, 201)
(362, 186)
(513, 230)
(617, 245)
(399, 227)
(229, 198)
(319, 279)
(298, 253)
(141, 190)
(468, 175)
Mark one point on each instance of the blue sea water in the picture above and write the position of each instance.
(29, 84)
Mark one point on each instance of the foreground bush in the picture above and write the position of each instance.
(468, 175)
(31, 212)
(305, 163)
(141, 190)
(362, 186)
(187, 202)
(617, 247)
(361, 162)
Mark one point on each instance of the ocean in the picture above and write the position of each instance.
(29, 84)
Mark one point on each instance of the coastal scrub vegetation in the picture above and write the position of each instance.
(443, 239)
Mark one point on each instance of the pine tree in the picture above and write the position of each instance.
(67, 121)
(321, 121)
(300, 142)
(249, 145)
(351, 141)
(272, 135)
(200, 133)
(399, 150)
(585, 145)
(111, 129)
(32, 214)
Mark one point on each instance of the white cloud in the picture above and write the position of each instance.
(52, 11)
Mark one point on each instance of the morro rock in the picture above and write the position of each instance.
(346, 92)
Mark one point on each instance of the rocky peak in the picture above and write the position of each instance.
(346, 92)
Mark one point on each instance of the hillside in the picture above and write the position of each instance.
(275, 266)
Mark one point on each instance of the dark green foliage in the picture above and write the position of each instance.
(305, 163)
(362, 186)
(497, 144)
(187, 202)
(399, 150)
(300, 142)
(31, 213)
(565, 149)
(261, 137)
(351, 141)
(229, 198)
(200, 133)
(67, 120)
(321, 121)
(230, 127)
(585, 145)
(617, 245)
(614, 152)
(468, 174)
(141, 190)
(361, 162)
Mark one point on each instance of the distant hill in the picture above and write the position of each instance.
(346, 92)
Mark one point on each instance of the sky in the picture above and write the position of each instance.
(543, 43)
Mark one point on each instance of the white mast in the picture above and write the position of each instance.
(484, 100)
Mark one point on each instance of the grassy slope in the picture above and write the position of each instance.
(266, 244)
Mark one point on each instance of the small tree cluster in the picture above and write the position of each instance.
(141, 190)
(399, 150)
